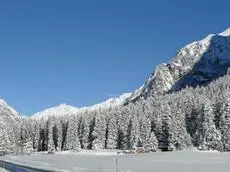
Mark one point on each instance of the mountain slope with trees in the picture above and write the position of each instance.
(185, 103)
(197, 63)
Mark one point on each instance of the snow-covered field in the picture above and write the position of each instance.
(186, 161)
(3, 170)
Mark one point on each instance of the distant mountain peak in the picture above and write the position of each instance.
(7, 114)
(3, 102)
(64, 105)
(4, 105)
(225, 33)
(65, 109)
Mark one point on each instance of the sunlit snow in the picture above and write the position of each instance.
(186, 161)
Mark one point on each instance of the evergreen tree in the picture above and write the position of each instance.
(59, 134)
(112, 133)
(151, 143)
(208, 136)
(72, 141)
(51, 146)
(86, 131)
(35, 137)
(145, 129)
(133, 132)
(5, 144)
(225, 123)
(28, 148)
(91, 138)
(179, 137)
(99, 132)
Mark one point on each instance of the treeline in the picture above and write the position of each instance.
(198, 117)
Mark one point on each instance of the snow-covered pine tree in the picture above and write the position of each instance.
(16, 133)
(58, 124)
(99, 132)
(5, 144)
(217, 105)
(167, 133)
(179, 137)
(76, 143)
(51, 146)
(122, 120)
(156, 123)
(81, 129)
(10, 131)
(129, 137)
(85, 130)
(133, 129)
(28, 147)
(72, 141)
(112, 132)
(208, 136)
(35, 135)
(151, 143)
(191, 111)
(225, 122)
(145, 129)
(91, 126)
(64, 131)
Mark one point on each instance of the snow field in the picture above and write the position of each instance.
(185, 161)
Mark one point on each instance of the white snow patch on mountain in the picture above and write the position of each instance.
(7, 114)
(225, 33)
(4, 107)
(60, 110)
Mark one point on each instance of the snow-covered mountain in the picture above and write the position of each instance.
(60, 110)
(8, 115)
(195, 64)
(64, 109)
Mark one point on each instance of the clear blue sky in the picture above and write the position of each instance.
(82, 52)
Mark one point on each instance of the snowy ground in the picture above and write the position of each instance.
(3, 170)
(106, 162)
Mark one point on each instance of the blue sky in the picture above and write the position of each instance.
(82, 52)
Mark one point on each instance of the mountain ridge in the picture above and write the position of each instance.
(64, 109)
(190, 63)
(8, 115)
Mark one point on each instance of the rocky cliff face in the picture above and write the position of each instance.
(197, 63)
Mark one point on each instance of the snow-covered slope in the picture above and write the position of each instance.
(195, 64)
(61, 110)
(8, 115)
(64, 109)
